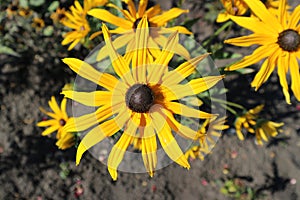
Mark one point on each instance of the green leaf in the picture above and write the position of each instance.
(36, 3)
(52, 7)
(8, 51)
(23, 3)
(48, 31)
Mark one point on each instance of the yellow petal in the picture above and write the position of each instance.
(50, 114)
(154, 10)
(168, 142)
(88, 120)
(259, 54)
(106, 16)
(183, 110)
(160, 20)
(295, 17)
(126, 14)
(63, 108)
(131, 7)
(54, 106)
(117, 153)
(140, 54)
(266, 69)
(167, 117)
(50, 122)
(262, 134)
(254, 24)
(96, 98)
(117, 44)
(179, 49)
(283, 64)
(256, 38)
(86, 71)
(162, 61)
(223, 17)
(260, 10)
(142, 8)
(97, 134)
(119, 64)
(149, 148)
(50, 130)
(179, 29)
(182, 71)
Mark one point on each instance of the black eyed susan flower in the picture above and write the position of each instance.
(247, 121)
(279, 40)
(59, 15)
(25, 12)
(12, 9)
(232, 8)
(265, 130)
(59, 119)
(141, 102)
(38, 23)
(209, 132)
(127, 25)
(76, 20)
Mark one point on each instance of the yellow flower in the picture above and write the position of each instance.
(141, 102)
(209, 132)
(279, 40)
(76, 19)
(265, 130)
(12, 9)
(132, 17)
(96, 3)
(38, 23)
(59, 15)
(59, 119)
(232, 8)
(247, 121)
(25, 12)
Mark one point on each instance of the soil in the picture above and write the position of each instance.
(33, 168)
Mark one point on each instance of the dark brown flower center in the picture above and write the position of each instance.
(136, 23)
(139, 98)
(62, 122)
(289, 40)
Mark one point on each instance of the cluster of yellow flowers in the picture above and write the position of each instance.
(140, 101)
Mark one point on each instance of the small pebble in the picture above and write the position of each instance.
(293, 181)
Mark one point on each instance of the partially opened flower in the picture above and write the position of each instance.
(232, 8)
(278, 38)
(59, 119)
(247, 121)
(265, 130)
(59, 15)
(209, 132)
(38, 23)
(76, 20)
(141, 102)
(127, 25)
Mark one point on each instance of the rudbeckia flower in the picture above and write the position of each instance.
(38, 23)
(210, 132)
(59, 119)
(59, 15)
(232, 8)
(279, 40)
(265, 130)
(140, 102)
(127, 25)
(76, 19)
(247, 121)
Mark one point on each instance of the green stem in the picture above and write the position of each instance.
(222, 28)
(228, 103)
